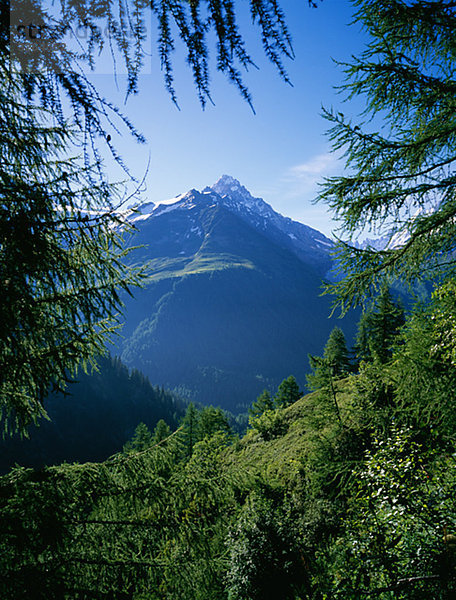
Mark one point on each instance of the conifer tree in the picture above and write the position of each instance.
(161, 431)
(62, 264)
(288, 392)
(362, 349)
(189, 425)
(141, 440)
(400, 178)
(263, 403)
(379, 327)
(333, 364)
(336, 352)
(424, 363)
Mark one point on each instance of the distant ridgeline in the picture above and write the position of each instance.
(95, 419)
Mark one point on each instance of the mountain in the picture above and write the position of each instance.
(388, 241)
(232, 304)
(308, 244)
(392, 239)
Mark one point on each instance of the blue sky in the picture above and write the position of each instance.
(280, 153)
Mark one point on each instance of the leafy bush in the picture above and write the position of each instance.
(270, 424)
(265, 558)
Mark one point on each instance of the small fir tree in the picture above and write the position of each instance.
(263, 403)
(141, 440)
(287, 393)
(190, 424)
(334, 363)
(161, 431)
(336, 352)
(378, 328)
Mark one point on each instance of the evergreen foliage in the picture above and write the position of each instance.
(190, 424)
(94, 419)
(333, 364)
(61, 260)
(362, 346)
(266, 413)
(161, 432)
(263, 403)
(198, 424)
(318, 509)
(336, 352)
(212, 420)
(52, 71)
(400, 177)
(117, 528)
(379, 327)
(141, 440)
(424, 364)
(287, 393)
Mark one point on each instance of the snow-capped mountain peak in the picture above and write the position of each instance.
(235, 195)
(227, 185)
(229, 194)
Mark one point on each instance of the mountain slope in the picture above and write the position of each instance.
(233, 301)
(94, 419)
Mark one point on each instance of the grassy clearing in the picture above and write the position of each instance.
(169, 268)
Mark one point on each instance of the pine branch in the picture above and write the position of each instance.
(399, 584)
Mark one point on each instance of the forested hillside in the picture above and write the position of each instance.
(346, 492)
(94, 419)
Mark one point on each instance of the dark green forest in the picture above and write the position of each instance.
(347, 492)
(95, 417)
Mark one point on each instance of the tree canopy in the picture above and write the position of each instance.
(121, 27)
(61, 259)
(287, 392)
(263, 403)
(400, 155)
(379, 327)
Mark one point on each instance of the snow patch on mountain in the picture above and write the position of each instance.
(325, 243)
(227, 192)
(261, 214)
(150, 209)
(388, 241)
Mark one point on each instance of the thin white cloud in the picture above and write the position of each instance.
(317, 165)
(303, 180)
(299, 186)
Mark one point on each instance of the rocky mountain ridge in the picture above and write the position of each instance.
(233, 301)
